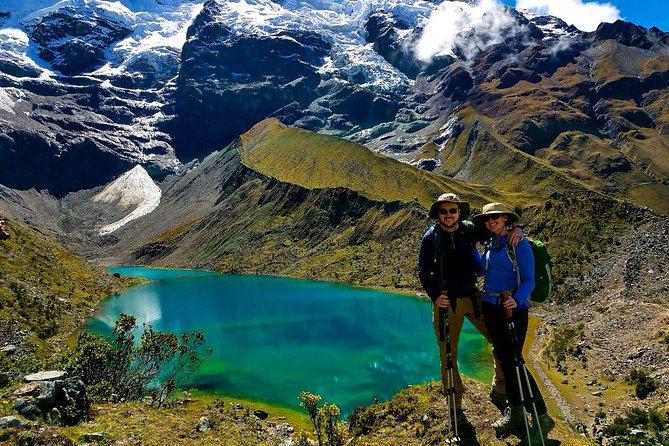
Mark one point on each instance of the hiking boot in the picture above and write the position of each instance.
(512, 422)
(498, 400)
(547, 424)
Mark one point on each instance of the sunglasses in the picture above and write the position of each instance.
(486, 218)
(451, 211)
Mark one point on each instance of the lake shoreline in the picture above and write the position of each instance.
(380, 345)
(419, 294)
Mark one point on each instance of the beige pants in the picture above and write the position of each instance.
(463, 309)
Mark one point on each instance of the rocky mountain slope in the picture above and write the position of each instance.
(160, 83)
(322, 131)
(83, 88)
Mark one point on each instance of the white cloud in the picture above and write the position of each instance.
(585, 16)
(466, 28)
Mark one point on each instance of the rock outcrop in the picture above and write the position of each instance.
(63, 401)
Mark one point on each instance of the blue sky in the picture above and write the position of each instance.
(642, 12)
(645, 12)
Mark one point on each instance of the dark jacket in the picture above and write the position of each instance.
(456, 253)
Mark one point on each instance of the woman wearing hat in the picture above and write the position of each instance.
(507, 291)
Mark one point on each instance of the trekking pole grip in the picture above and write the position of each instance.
(509, 311)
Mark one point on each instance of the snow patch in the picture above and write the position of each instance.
(157, 33)
(9, 97)
(156, 25)
(15, 47)
(342, 23)
(113, 11)
(133, 188)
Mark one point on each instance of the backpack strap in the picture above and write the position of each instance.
(514, 260)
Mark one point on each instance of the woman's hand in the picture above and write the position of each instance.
(442, 300)
(510, 304)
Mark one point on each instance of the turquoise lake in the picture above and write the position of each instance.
(274, 337)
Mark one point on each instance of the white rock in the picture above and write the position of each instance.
(49, 375)
(203, 424)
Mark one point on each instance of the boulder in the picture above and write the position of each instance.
(9, 349)
(49, 375)
(31, 412)
(7, 422)
(31, 389)
(260, 414)
(19, 404)
(93, 437)
(203, 424)
(65, 401)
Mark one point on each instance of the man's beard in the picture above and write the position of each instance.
(455, 223)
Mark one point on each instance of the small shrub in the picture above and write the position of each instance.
(643, 382)
(562, 343)
(361, 421)
(325, 419)
(117, 365)
(302, 440)
(652, 421)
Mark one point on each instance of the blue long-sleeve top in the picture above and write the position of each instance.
(500, 274)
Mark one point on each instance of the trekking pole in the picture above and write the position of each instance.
(445, 337)
(519, 363)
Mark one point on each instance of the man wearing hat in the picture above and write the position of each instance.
(448, 255)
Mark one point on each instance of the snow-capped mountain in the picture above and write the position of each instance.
(94, 77)
(110, 84)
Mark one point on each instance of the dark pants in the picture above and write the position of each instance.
(499, 335)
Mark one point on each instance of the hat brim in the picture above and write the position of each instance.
(513, 217)
(465, 209)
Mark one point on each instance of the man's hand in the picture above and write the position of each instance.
(442, 300)
(510, 304)
(515, 236)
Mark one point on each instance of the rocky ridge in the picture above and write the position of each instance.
(584, 105)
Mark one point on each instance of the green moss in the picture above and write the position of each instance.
(562, 343)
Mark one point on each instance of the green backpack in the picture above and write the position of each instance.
(543, 278)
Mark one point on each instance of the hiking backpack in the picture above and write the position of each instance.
(543, 266)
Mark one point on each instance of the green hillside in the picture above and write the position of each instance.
(585, 122)
(312, 160)
(479, 154)
(46, 292)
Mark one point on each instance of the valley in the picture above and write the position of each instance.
(307, 139)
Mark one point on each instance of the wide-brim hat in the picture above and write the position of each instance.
(450, 198)
(496, 209)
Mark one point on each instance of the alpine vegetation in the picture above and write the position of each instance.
(178, 174)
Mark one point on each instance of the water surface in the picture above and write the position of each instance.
(273, 337)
